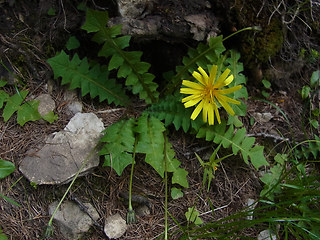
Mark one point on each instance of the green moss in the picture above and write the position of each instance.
(259, 47)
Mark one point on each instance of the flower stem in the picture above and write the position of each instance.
(255, 28)
(166, 189)
(131, 218)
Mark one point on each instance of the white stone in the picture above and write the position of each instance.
(115, 226)
(267, 235)
(46, 104)
(251, 203)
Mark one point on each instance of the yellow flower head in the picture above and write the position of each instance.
(207, 91)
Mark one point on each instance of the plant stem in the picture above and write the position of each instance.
(255, 28)
(131, 175)
(166, 189)
(131, 218)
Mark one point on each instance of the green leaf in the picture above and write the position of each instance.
(180, 177)
(171, 110)
(28, 112)
(50, 117)
(193, 216)
(2, 83)
(92, 80)
(305, 92)
(95, 20)
(127, 63)
(266, 83)
(3, 236)
(151, 142)
(119, 139)
(202, 56)
(315, 79)
(6, 168)
(237, 140)
(3, 98)
(25, 112)
(176, 193)
(51, 12)
(72, 43)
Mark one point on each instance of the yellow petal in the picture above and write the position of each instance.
(223, 76)
(192, 102)
(197, 111)
(192, 85)
(225, 105)
(211, 115)
(191, 97)
(205, 111)
(204, 75)
(190, 91)
(217, 114)
(227, 99)
(229, 90)
(213, 74)
(228, 80)
(199, 77)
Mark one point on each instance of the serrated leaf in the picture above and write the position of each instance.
(2, 83)
(72, 43)
(6, 168)
(193, 216)
(13, 104)
(92, 80)
(257, 158)
(50, 117)
(25, 112)
(3, 98)
(151, 141)
(28, 112)
(95, 20)
(201, 56)
(176, 193)
(237, 140)
(180, 177)
(128, 63)
(115, 62)
(171, 110)
(119, 143)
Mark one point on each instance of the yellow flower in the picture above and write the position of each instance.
(207, 92)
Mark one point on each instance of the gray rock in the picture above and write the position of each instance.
(170, 21)
(142, 210)
(46, 104)
(263, 117)
(134, 8)
(71, 220)
(74, 106)
(64, 152)
(267, 235)
(198, 25)
(115, 226)
(251, 203)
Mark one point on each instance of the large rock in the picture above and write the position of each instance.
(166, 20)
(64, 152)
(72, 221)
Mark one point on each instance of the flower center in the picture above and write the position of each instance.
(209, 93)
